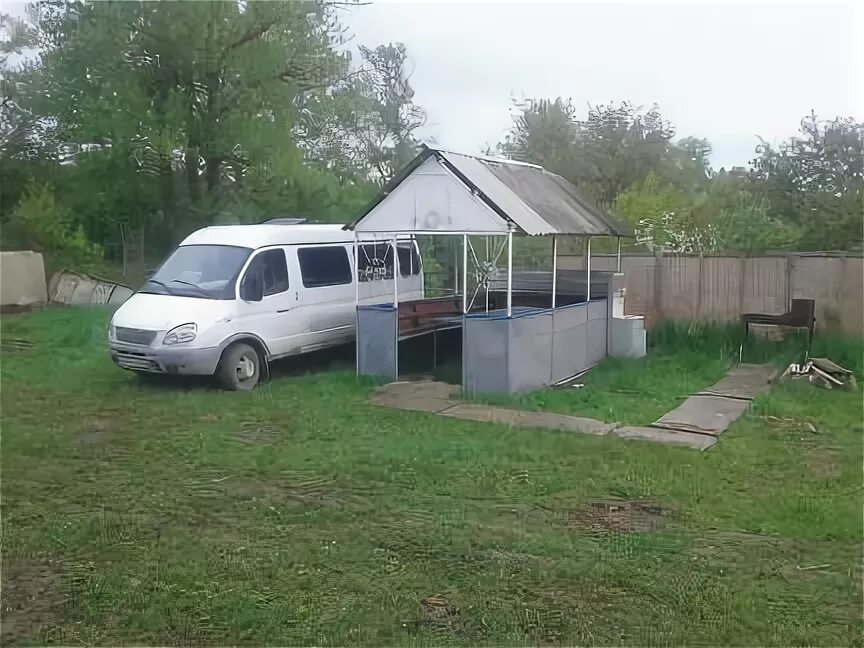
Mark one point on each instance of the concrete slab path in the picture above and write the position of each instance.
(703, 415)
(672, 437)
(436, 398)
(712, 410)
(746, 381)
(696, 423)
(485, 413)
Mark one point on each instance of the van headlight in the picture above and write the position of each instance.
(181, 334)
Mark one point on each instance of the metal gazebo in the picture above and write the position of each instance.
(530, 329)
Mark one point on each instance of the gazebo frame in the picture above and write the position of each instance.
(505, 349)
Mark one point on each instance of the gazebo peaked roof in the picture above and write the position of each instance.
(444, 192)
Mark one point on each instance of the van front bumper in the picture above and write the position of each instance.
(195, 362)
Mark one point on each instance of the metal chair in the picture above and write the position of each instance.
(801, 314)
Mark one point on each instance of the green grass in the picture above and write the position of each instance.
(682, 361)
(621, 390)
(298, 514)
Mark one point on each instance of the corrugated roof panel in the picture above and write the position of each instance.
(478, 173)
(556, 200)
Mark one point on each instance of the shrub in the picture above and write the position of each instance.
(40, 224)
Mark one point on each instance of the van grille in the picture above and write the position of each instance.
(137, 362)
(134, 336)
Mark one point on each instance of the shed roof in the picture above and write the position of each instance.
(529, 197)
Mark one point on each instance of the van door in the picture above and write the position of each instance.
(271, 318)
(327, 294)
(410, 271)
(375, 272)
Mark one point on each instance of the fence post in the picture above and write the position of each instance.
(790, 262)
(841, 295)
(699, 286)
(658, 285)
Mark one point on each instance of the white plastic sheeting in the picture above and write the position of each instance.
(75, 289)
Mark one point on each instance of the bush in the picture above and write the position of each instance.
(40, 224)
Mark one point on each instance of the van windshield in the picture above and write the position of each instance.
(205, 271)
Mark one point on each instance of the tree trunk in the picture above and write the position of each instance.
(193, 180)
(214, 164)
(122, 227)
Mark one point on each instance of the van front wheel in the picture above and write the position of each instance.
(240, 368)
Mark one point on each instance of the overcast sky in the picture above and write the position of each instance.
(725, 71)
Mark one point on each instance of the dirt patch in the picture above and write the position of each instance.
(510, 558)
(789, 424)
(96, 432)
(620, 517)
(438, 614)
(566, 612)
(254, 433)
(416, 377)
(281, 490)
(30, 599)
(824, 465)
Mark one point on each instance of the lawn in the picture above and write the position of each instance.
(299, 514)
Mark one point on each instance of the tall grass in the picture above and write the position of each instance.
(727, 341)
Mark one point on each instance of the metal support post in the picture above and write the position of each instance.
(554, 269)
(589, 270)
(464, 273)
(510, 273)
(395, 273)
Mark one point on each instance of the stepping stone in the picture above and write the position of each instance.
(549, 420)
(746, 381)
(703, 414)
(673, 437)
(426, 396)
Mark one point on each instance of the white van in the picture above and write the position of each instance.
(230, 299)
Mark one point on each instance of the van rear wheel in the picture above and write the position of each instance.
(240, 368)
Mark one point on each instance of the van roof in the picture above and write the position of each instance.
(256, 236)
(264, 234)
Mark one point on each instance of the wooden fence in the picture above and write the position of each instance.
(721, 288)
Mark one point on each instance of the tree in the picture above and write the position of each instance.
(16, 35)
(544, 133)
(365, 128)
(815, 182)
(616, 146)
(724, 218)
(213, 81)
(749, 227)
(659, 213)
(162, 117)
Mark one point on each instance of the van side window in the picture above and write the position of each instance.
(409, 260)
(374, 261)
(324, 266)
(272, 268)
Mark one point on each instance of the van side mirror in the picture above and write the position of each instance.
(252, 288)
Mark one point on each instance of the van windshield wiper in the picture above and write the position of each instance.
(185, 283)
(203, 292)
(159, 283)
